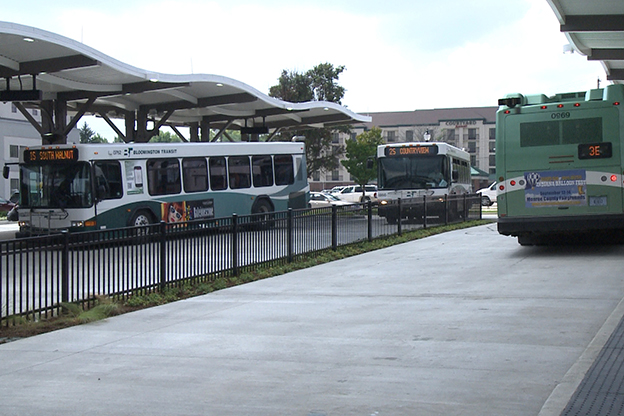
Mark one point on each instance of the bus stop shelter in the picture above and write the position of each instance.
(67, 79)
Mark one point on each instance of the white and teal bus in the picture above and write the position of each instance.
(103, 186)
(559, 164)
(411, 171)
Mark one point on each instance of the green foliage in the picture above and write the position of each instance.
(359, 152)
(87, 135)
(317, 84)
(165, 137)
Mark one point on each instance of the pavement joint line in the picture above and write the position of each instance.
(565, 389)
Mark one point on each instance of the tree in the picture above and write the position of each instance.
(87, 135)
(359, 152)
(317, 84)
(165, 137)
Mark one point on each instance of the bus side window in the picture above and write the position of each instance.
(284, 170)
(262, 171)
(108, 182)
(195, 174)
(218, 180)
(238, 169)
(163, 176)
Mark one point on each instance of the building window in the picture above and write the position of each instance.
(14, 185)
(335, 175)
(335, 137)
(354, 136)
(492, 147)
(492, 134)
(409, 135)
(472, 134)
(473, 160)
(472, 147)
(391, 136)
(492, 160)
(14, 151)
(316, 176)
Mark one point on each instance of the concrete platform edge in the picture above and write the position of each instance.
(563, 392)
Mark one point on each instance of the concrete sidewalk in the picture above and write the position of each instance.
(462, 323)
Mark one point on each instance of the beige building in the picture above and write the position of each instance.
(472, 129)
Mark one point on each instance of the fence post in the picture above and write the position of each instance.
(65, 268)
(465, 207)
(400, 215)
(334, 228)
(424, 211)
(290, 234)
(446, 209)
(370, 221)
(235, 244)
(162, 245)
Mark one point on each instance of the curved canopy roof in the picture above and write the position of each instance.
(595, 28)
(40, 65)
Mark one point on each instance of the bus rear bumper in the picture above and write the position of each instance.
(560, 225)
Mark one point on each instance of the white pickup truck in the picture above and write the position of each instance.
(353, 194)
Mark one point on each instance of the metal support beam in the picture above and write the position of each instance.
(616, 75)
(29, 117)
(179, 133)
(593, 23)
(194, 130)
(606, 55)
(113, 126)
(204, 130)
(222, 131)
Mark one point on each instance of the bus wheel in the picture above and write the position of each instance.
(141, 219)
(263, 217)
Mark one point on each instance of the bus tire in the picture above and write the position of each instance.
(264, 218)
(140, 222)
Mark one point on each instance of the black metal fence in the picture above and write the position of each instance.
(37, 274)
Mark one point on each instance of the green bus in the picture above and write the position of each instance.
(559, 165)
(85, 187)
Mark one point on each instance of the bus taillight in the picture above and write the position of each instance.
(613, 178)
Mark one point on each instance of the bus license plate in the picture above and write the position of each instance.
(598, 201)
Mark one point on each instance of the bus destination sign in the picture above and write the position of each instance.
(50, 155)
(595, 150)
(398, 151)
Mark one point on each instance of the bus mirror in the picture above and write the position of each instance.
(5, 171)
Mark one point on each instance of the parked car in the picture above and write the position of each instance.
(488, 195)
(6, 205)
(353, 194)
(322, 199)
(335, 190)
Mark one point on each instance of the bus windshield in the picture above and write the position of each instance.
(413, 172)
(56, 186)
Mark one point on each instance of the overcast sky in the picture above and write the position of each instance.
(399, 55)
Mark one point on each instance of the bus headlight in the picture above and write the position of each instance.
(23, 223)
(383, 202)
(77, 224)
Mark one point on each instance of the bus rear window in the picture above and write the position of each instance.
(556, 132)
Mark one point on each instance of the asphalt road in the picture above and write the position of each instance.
(463, 323)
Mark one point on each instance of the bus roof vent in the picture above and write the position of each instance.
(593, 95)
(536, 99)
